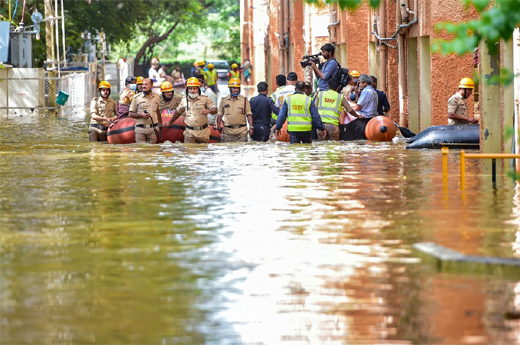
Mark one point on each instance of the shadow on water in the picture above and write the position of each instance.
(231, 243)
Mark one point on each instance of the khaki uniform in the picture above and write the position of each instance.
(171, 105)
(234, 112)
(139, 104)
(457, 105)
(98, 130)
(195, 119)
(176, 76)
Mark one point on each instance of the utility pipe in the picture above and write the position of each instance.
(281, 38)
(62, 32)
(382, 47)
(55, 22)
(401, 66)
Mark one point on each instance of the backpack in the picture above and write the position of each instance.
(342, 76)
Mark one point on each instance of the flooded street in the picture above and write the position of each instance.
(258, 243)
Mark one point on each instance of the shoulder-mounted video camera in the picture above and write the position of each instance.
(307, 59)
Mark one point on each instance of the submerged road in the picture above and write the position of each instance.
(262, 243)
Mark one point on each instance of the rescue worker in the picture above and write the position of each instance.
(145, 109)
(125, 97)
(212, 78)
(197, 107)
(281, 82)
(329, 104)
(208, 92)
(262, 107)
(234, 73)
(234, 114)
(301, 113)
(457, 107)
(200, 70)
(139, 83)
(103, 111)
(288, 90)
(194, 68)
(176, 74)
(169, 101)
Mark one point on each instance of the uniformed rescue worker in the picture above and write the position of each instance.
(125, 97)
(169, 101)
(234, 114)
(234, 73)
(212, 118)
(103, 111)
(329, 104)
(200, 70)
(139, 83)
(145, 109)
(457, 107)
(197, 107)
(212, 78)
(301, 113)
(281, 82)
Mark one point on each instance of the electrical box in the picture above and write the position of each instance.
(21, 49)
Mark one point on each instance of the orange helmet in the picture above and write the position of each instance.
(354, 74)
(234, 82)
(193, 82)
(466, 83)
(139, 80)
(166, 86)
(233, 66)
(104, 85)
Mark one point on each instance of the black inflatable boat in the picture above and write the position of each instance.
(452, 136)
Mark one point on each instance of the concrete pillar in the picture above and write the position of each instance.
(425, 117)
(490, 118)
(413, 86)
(373, 66)
(509, 105)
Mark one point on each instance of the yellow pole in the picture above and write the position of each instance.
(445, 151)
(462, 170)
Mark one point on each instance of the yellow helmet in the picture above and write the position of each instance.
(234, 82)
(466, 83)
(201, 63)
(166, 86)
(210, 65)
(193, 82)
(139, 80)
(354, 74)
(104, 85)
(233, 66)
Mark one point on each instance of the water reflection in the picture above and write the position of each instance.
(230, 244)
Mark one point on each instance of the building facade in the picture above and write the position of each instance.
(393, 43)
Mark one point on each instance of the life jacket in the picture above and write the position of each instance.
(235, 74)
(329, 106)
(212, 77)
(299, 117)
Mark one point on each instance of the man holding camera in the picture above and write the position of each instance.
(330, 67)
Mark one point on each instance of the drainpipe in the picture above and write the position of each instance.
(382, 47)
(281, 41)
(401, 60)
(331, 26)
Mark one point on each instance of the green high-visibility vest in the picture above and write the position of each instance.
(274, 97)
(212, 76)
(235, 74)
(299, 117)
(329, 106)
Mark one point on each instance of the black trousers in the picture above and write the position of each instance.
(261, 132)
(300, 137)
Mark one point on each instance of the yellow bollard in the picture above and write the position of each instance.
(445, 151)
(462, 169)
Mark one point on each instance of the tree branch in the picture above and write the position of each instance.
(152, 41)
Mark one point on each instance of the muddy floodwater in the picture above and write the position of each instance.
(257, 243)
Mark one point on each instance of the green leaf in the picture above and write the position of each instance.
(480, 5)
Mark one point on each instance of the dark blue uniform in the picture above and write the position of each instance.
(262, 107)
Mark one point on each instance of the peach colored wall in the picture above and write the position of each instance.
(447, 71)
(355, 34)
(296, 37)
(273, 51)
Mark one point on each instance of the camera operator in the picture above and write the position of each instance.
(329, 69)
